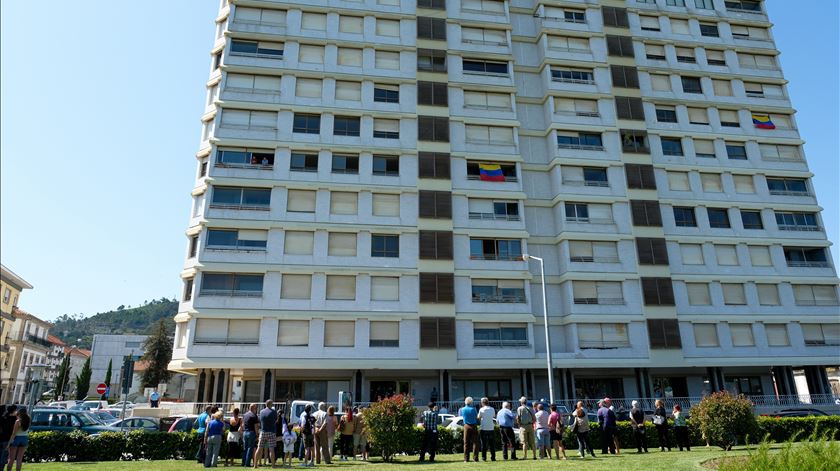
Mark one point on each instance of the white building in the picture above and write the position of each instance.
(343, 236)
(113, 348)
(28, 345)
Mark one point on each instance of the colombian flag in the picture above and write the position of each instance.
(762, 121)
(490, 173)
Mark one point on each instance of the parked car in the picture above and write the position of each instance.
(119, 405)
(804, 412)
(183, 424)
(148, 424)
(90, 405)
(443, 420)
(67, 421)
(103, 416)
(64, 404)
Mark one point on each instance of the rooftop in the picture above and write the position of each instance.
(18, 312)
(13, 278)
(55, 340)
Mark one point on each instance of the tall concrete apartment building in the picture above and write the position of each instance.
(371, 172)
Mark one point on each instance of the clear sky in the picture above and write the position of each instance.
(100, 123)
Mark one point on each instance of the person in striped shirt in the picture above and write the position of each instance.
(430, 432)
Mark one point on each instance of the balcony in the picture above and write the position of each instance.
(37, 340)
(604, 345)
(593, 259)
(808, 264)
(799, 227)
(601, 301)
(499, 298)
(500, 343)
(493, 216)
(225, 341)
(231, 293)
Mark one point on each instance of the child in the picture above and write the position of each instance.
(289, 439)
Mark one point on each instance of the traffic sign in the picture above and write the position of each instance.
(101, 388)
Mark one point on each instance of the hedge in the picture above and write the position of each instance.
(137, 445)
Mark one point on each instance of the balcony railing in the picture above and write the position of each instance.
(790, 193)
(494, 216)
(816, 302)
(225, 341)
(808, 264)
(799, 227)
(490, 256)
(580, 146)
(38, 340)
(500, 343)
(230, 293)
(255, 207)
(591, 259)
(498, 298)
(602, 301)
(588, 220)
(598, 183)
(508, 178)
(605, 345)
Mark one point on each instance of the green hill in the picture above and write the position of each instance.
(79, 329)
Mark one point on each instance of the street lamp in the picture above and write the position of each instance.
(545, 323)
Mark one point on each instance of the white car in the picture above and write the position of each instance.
(119, 405)
(443, 420)
(457, 423)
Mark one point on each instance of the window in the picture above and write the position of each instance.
(313, 21)
(343, 202)
(485, 67)
(760, 256)
(751, 219)
(353, 57)
(699, 116)
(432, 4)
(231, 284)
(351, 24)
(678, 181)
(435, 245)
(651, 251)
(433, 128)
(779, 153)
(742, 335)
(495, 249)
(715, 57)
(386, 93)
(736, 151)
(232, 197)
(345, 163)
(385, 246)
(797, 221)
(768, 294)
(387, 60)
(188, 290)
(311, 54)
(624, 76)
(583, 76)
(233, 239)
(692, 254)
(748, 6)
(729, 119)
(341, 287)
(386, 128)
(565, 106)
(349, 91)
(698, 294)
(388, 165)
(385, 204)
(593, 252)
(384, 288)
(307, 123)
(639, 176)
(295, 286)
(660, 82)
(303, 162)
(244, 157)
(657, 291)
(341, 244)
(805, 257)
(339, 333)
(487, 100)
(597, 292)
(722, 87)
(675, 3)
(293, 333)
(705, 335)
(684, 217)
(709, 29)
(432, 93)
(645, 213)
(666, 114)
(757, 61)
(733, 294)
(433, 165)
(634, 141)
(487, 334)
(704, 4)
(649, 23)
(489, 7)
(474, 172)
(744, 184)
(815, 295)
(664, 333)
(788, 186)
(691, 85)
(431, 28)
(308, 88)
(251, 120)
(227, 331)
(821, 334)
(266, 50)
(250, 83)
(298, 243)
(726, 255)
(345, 126)
(629, 108)
(602, 336)
(435, 204)
(568, 43)
(431, 60)
(777, 335)
(498, 291)
(487, 135)
(718, 218)
(384, 334)
(437, 332)
(620, 46)
(711, 182)
(614, 16)
(437, 288)
(679, 26)
(582, 141)
(387, 27)
(217, 60)
(686, 55)
(577, 212)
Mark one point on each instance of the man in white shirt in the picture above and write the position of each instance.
(487, 432)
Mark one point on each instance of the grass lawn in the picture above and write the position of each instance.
(655, 460)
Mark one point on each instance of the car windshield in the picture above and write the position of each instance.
(87, 419)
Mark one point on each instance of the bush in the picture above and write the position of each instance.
(725, 419)
(814, 454)
(390, 426)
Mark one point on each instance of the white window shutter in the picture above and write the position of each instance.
(341, 287)
(342, 202)
(384, 288)
(293, 333)
(698, 294)
(298, 243)
(705, 335)
(339, 333)
(342, 244)
(293, 286)
(385, 204)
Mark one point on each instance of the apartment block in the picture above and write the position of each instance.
(370, 174)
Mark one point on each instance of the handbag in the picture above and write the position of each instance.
(233, 437)
(658, 419)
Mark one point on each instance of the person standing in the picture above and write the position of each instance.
(201, 428)
(213, 439)
(332, 426)
(234, 450)
(362, 432)
(430, 433)
(556, 429)
(357, 430)
(543, 436)
(154, 399)
(268, 434)
(20, 439)
(637, 422)
(681, 429)
(345, 428)
(470, 416)
(607, 421)
(307, 431)
(525, 419)
(506, 418)
(487, 429)
(289, 438)
(7, 424)
(321, 435)
(581, 431)
(250, 427)
(660, 421)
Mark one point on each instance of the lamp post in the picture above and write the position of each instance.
(545, 323)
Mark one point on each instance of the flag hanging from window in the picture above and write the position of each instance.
(490, 173)
(762, 121)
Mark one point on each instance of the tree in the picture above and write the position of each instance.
(108, 377)
(83, 381)
(63, 376)
(725, 419)
(390, 425)
(158, 353)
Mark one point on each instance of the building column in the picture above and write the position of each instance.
(357, 387)
(447, 385)
(211, 386)
(266, 385)
(221, 379)
(784, 380)
(817, 380)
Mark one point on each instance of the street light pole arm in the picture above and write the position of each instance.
(545, 323)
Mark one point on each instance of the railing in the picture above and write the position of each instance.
(243, 165)
(494, 216)
(580, 146)
(255, 207)
(499, 298)
(790, 193)
(508, 178)
(586, 183)
(573, 80)
(590, 220)
(226, 341)
(807, 264)
(230, 292)
(611, 301)
(605, 345)
(591, 259)
(507, 258)
(798, 227)
(500, 343)
(40, 341)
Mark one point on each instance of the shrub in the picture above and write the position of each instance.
(390, 425)
(814, 454)
(724, 419)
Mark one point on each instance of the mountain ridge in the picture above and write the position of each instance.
(79, 329)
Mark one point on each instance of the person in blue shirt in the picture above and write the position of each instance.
(506, 418)
(201, 426)
(213, 439)
(607, 421)
(154, 398)
(470, 416)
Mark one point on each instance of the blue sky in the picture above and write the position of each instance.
(100, 124)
